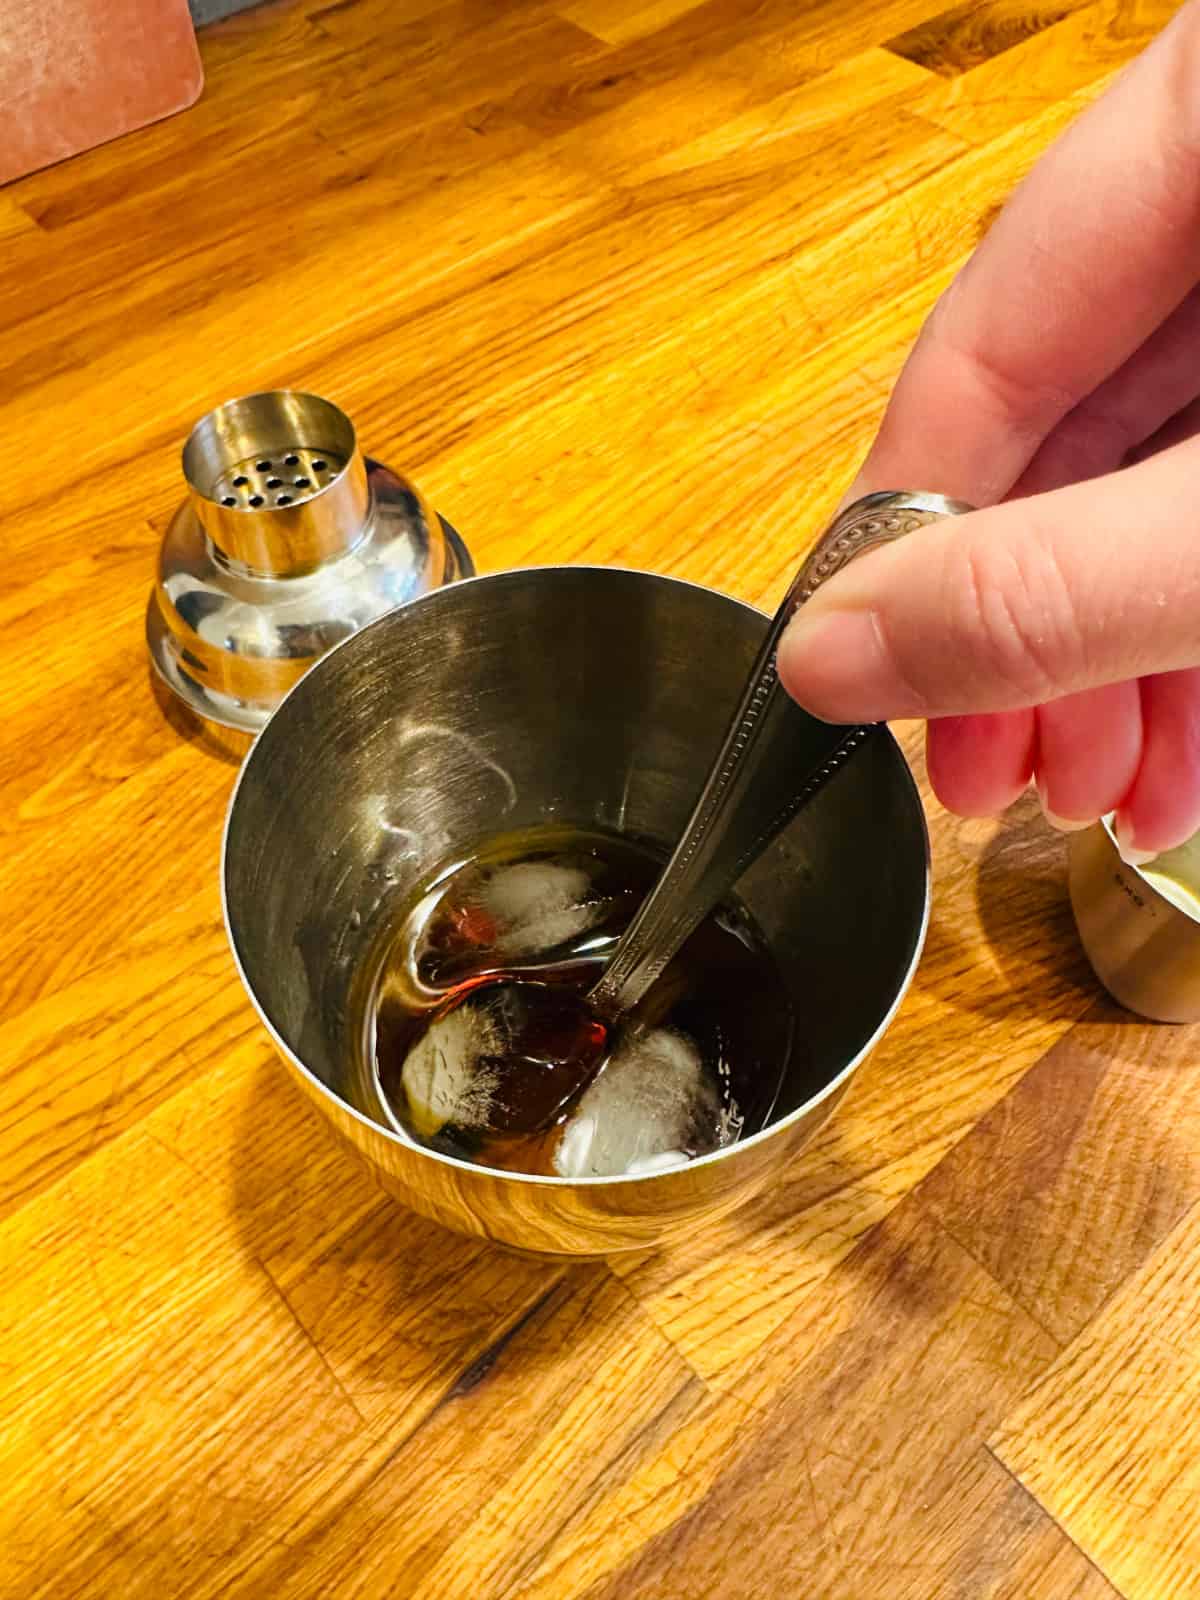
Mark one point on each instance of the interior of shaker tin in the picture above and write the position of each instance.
(348, 801)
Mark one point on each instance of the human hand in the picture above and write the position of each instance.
(1056, 634)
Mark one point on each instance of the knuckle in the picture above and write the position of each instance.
(1014, 608)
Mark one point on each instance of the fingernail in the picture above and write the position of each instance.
(1127, 846)
(1061, 824)
(1064, 824)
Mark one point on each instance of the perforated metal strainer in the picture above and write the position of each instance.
(289, 541)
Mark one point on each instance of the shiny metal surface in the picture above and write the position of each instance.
(765, 770)
(588, 696)
(289, 541)
(1144, 949)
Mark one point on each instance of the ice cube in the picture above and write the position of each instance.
(446, 1078)
(652, 1101)
(539, 905)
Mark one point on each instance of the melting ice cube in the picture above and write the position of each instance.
(539, 905)
(448, 1076)
(652, 1107)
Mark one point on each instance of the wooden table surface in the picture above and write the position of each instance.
(624, 281)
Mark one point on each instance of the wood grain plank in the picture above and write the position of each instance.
(815, 112)
(14, 220)
(1066, 1187)
(1069, 62)
(63, 927)
(655, 1492)
(831, 31)
(968, 35)
(170, 1295)
(514, 1456)
(124, 1376)
(866, 1462)
(618, 21)
(630, 105)
(1109, 1439)
(1052, 1566)
(92, 1057)
(990, 1540)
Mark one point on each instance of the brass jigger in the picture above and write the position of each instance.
(290, 540)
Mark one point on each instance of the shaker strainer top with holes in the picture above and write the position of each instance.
(289, 541)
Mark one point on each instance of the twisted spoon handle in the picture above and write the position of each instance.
(752, 790)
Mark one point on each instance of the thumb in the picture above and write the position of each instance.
(1012, 606)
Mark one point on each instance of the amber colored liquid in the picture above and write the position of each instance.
(476, 932)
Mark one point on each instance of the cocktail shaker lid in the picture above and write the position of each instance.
(289, 541)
